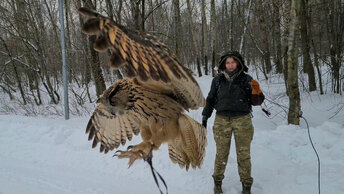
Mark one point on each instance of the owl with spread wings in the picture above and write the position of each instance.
(150, 101)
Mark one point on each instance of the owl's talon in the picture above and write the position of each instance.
(134, 152)
(132, 155)
(118, 151)
(130, 147)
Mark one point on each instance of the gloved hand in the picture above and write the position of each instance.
(204, 122)
(255, 87)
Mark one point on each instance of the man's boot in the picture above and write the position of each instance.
(217, 187)
(246, 189)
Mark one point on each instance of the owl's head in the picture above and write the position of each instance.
(116, 98)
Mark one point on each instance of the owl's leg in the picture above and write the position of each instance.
(139, 151)
(152, 139)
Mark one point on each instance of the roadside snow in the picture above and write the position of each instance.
(51, 155)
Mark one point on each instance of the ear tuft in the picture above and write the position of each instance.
(91, 26)
(88, 12)
(101, 45)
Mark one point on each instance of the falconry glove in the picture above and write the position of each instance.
(257, 96)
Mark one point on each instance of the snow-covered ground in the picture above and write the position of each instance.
(50, 155)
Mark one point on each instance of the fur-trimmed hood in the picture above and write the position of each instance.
(236, 55)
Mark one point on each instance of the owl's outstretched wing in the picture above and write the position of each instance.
(145, 59)
(143, 108)
(111, 130)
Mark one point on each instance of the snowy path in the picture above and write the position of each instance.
(51, 155)
(47, 155)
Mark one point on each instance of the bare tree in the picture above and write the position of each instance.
(293, 86)
(246, 18)
(315, 53)
(193, 38)
(177, 29)
(213, 37)
(333, 12)
(232, 25)
(204, 41)
(265, 29)
(307, 62)
(95, 62)
(277, 35)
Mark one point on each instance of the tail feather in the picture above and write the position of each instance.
(189, 148)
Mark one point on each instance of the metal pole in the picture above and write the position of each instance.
(64, 64)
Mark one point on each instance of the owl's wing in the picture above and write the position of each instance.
(144, 58)
(144, 106)
(110, 130)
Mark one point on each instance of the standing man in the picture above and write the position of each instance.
(232, 94)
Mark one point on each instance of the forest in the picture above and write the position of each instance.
(288, 38)
(293, 48)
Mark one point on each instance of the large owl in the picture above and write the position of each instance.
(151, 100)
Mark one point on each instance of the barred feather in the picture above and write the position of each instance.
(144, 58)
(190, 147)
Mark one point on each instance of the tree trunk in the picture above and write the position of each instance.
(142, 27)
(316, 57)
(109, 9)
(135, 11)
(119, 11)
(67, 15)
(95, 62)
(53, 23)
(23, 22)
(193, 40)
(307, 62)
(246, 18)
(19, 82)
(213, 37)
(293, 85)
(265, 34)
(204, 39)
(232, 26)
(96, 70)
(8, 91)
(285, 22)
(277, 36)
(177, 29)
(334, 12)
(226, 27)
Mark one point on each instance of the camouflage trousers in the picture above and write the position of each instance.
(241, 127)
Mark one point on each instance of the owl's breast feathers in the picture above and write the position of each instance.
(149, 103)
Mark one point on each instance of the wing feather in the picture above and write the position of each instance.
(109, 130)
(145, 58)
(112, 130)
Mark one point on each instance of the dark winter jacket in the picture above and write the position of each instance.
(234, 99)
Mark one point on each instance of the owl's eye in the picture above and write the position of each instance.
(112, 102)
